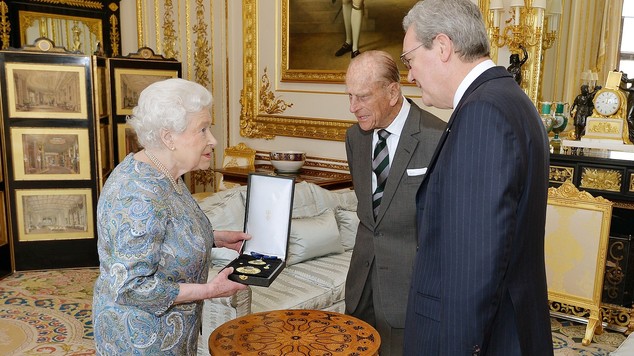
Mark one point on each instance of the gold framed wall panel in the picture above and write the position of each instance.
(271, 108)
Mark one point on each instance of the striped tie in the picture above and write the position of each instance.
(381, 167)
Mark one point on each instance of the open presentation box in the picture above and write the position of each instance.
(268, 220)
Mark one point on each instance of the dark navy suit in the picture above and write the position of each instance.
(479, 280)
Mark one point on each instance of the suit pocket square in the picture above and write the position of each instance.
(416, 171)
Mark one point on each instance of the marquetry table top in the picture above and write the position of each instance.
(295, 332)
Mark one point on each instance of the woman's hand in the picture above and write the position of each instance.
(219, 286)
(230, 239)
(222, 286)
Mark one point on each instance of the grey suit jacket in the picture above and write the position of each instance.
(390, 240)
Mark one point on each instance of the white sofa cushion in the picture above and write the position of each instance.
(225, 209)
(313, 237)
(348, 222)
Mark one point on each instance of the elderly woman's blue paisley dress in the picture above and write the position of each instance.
(150, 239)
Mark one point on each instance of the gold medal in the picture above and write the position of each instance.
(257, 262)
(248, 270)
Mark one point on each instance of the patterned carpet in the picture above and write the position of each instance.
(49, 313)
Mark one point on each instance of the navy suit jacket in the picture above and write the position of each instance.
(479, 282)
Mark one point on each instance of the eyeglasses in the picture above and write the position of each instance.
(405, 60)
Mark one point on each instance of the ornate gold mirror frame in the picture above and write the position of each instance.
(86, 26)
(260, 116)
(71, 32)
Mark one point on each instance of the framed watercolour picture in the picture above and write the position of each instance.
(46, 91)
(129, 83)
(127, 141)
(54, 214)
(49, 153)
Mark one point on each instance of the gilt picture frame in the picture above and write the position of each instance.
(46, 91)
(310, 37)
(54, 214)
(50, 153)
(278, 96)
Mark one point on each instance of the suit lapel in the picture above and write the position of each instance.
(365, 190)
(489, 74)
(406, 146)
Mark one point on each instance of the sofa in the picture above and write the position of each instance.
(323, 231)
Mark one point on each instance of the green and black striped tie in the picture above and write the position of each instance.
(381, 167)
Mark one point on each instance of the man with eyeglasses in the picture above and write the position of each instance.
(479, 280)
(388, 151)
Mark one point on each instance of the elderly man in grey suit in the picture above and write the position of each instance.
(388, 152)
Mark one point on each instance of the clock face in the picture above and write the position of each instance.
(607, 103)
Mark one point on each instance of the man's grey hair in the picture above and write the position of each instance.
(460, 20)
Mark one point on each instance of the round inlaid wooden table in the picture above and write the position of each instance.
(295, 332)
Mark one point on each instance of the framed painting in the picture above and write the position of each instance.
(46, 91)
(4, 234)
(54, 214)
(127, 141)
(283, 77)
(129, 83)
(575, 250)
(312, 37)
(50, 153)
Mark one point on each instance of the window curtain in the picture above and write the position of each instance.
(589, 40)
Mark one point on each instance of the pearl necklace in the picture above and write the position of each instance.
(164, 170)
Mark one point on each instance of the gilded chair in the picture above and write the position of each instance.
(576, 241)
(239, 155)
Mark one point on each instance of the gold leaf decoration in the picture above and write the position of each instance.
(601, 179)
(114, 35)
(568, 190)
(74, 3)
(203, 50)
(169, 34)
(5, 25)
(268, 102)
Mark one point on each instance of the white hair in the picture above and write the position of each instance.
(166, 105)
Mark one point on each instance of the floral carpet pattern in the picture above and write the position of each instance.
(50, 313)
(47, 312)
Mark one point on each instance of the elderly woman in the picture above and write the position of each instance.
(154, 241)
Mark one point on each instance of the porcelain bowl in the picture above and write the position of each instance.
(287, 161)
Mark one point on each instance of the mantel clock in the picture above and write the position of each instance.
(608, 119)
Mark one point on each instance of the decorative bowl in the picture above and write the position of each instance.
(287, 161)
